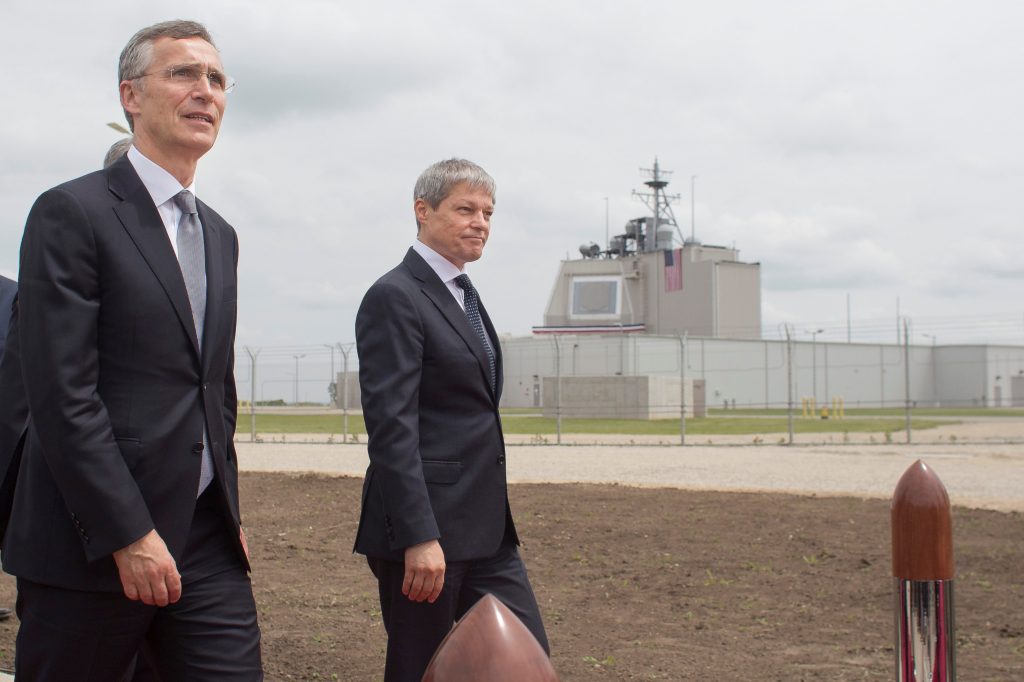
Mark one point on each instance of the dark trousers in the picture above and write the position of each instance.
(415, 629)
(210, 633)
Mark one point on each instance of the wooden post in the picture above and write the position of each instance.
(922, 567)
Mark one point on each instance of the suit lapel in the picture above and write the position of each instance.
(142, 222)
(442, 298)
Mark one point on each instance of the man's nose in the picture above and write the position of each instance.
(202, 87)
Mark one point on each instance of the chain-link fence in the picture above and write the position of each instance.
(709, 388)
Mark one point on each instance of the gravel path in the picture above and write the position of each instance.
(982, 475)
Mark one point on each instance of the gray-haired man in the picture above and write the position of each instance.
(436, 526)
(125, 524)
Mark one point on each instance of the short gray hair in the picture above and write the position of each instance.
(437, 182)
(138, 53)
(116, 151)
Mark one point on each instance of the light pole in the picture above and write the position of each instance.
(814, 364)
(334, 397)
(935, 381)
(297, 376)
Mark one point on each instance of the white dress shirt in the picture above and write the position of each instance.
(447, 271)
(162, 187)
(444, 268)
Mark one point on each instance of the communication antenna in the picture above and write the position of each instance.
(659, 202)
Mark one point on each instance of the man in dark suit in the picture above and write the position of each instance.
(8, 291)
(435, 526)
(125, 528)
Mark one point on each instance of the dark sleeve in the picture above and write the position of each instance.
(8, 292)
(60, 295)
(13, 422)
(230, 391)
(389, 339)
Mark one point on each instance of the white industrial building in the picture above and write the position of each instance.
(629, 328)
(740, 373)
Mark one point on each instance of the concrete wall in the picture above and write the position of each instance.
(738, 312)
(353, 391)
(755, 373)
(618, 397)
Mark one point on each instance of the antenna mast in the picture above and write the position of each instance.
(659, 202)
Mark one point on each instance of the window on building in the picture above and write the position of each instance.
(595, 298)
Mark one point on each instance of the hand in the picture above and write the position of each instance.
(245, 543)
(424, 571)
(148, 572)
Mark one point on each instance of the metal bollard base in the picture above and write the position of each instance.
(925, 639)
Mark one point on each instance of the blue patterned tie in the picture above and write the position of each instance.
(192, 259)
(472, 303)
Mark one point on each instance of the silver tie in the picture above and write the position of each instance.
(192, 259)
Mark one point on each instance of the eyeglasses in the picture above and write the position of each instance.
(189, 75)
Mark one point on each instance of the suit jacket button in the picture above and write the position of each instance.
(501, 460)
(197, 448)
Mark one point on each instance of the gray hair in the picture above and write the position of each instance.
(138, 53)
(437, 182)
(116, 151)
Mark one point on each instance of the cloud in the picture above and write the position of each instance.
(864, 147)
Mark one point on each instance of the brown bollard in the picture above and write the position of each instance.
(922, 566)
(490, 643)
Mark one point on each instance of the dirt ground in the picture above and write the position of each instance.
(642, 584)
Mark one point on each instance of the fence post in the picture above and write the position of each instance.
(344, 390)
(906, 371)
(558, 390)
(252, 393)
(789, 381)
(682, 388)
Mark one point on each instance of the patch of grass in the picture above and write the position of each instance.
(873, 412)
(302, 423)
(539, 427)
(709, 425)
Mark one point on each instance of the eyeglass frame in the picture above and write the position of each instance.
(168, 73)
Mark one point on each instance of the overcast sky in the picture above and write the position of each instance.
(869, 148)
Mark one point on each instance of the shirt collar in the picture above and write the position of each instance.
(444, 268)
(162, 186)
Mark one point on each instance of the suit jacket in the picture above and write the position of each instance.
(13, 408)
(8, 290)
(437, 454)
(117, 388)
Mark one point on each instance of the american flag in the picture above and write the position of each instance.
(673, 270)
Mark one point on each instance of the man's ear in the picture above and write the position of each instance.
(129, 97)
(420, 208)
